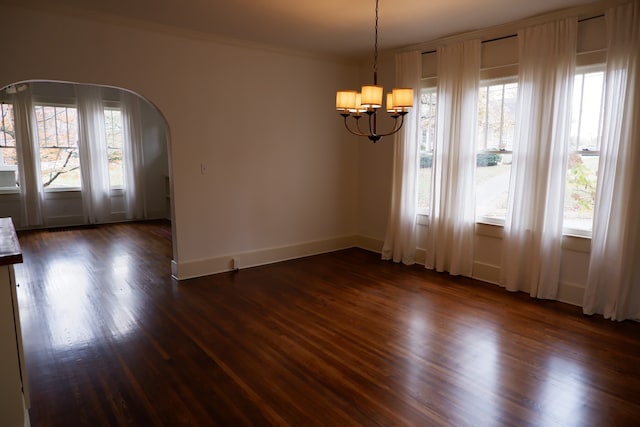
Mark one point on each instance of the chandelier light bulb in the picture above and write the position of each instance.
(345, 99)
(372, 96)
(354, 105)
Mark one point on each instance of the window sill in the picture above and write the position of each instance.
(63, 190)
(575, 232)
(9, 190)
(487, 220)
(572, 239)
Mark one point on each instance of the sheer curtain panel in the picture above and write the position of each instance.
(613, 282)
(533, 224)
(449, 245)
(31, 191)
(92, 147)
(133, 156)
(400, 238)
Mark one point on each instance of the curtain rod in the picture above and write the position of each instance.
(516, 35)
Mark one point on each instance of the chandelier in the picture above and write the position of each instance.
(355, 105)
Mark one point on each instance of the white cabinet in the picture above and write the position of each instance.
(13, 397)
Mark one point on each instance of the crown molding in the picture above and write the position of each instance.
(136, 24)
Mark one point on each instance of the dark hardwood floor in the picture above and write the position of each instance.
(336, 339)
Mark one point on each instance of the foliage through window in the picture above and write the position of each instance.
(58, 142)
(8, 153)
(497, 103)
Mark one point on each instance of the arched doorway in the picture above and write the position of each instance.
(48, 157)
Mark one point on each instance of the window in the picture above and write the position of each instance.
(584, 150)
(428, 104)
(114, 137)
(58, 141)
(8, 153)
(497, 102)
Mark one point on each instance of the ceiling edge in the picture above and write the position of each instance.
(173, 31)
(511, 28)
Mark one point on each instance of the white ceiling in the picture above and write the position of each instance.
(336, 27)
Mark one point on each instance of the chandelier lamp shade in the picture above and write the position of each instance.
(353, 105)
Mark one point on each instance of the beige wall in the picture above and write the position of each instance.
(376, 161)
(281, 174)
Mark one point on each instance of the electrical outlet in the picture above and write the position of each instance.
(235, 263)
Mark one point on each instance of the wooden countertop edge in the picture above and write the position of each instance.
(10, 252)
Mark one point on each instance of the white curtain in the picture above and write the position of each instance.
(31, 191)
(613, 283)
(133, 156)
(452, 218)
(92, 146)
(400, 238)
(533, 225)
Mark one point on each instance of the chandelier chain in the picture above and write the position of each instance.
(375, 50)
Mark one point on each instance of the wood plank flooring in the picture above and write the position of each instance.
(337, 339)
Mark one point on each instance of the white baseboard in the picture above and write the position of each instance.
(571, 293)
(158, 214)
(369, 243)
(220, 264)
(64, 221)
(481, 271)
(486, 272)
(375, 245)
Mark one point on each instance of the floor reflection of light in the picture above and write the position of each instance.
(120, 266)
(562, 394)
(479, 374)
(418, 335)
(66, 295)
(77, 312)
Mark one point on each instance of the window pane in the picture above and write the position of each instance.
(580, 194)
(584, 146)
(113, 128)
(492, 185)
(494, 116)
(497, 116)
(586, 111)
(8, 153)
(428, 104)
(58, 140)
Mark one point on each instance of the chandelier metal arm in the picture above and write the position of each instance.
(372, 134)
(396, 126)
(356, 132)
